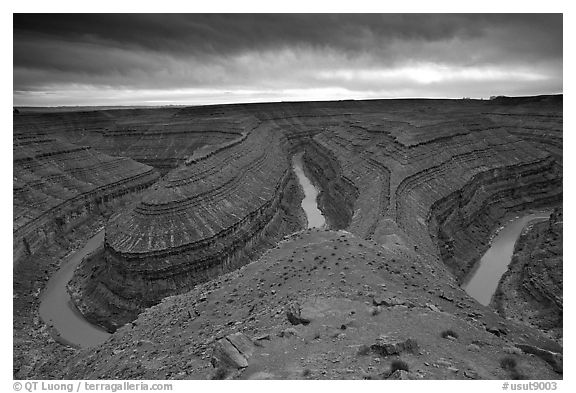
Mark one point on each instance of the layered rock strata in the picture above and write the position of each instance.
(56, 185)
(162, 138)
(202, 219)
(437, 177)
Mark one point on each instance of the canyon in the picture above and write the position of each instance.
(205, 235)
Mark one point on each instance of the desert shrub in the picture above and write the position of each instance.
(363, 350)
(399, 365)
(449, 333)
(508, 363)
(375, 311)
(515, 374)
(220, 373)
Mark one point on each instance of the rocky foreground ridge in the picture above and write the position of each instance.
(321, 305)
(418, 180)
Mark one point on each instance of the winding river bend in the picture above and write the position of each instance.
(313, 214)
(482, 282)
(67, 325)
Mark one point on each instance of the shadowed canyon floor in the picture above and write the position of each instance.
(207, 271)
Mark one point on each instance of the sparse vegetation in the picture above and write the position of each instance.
(375, 311)
(398, 365)
(363, 350)
(220, 373)
(508, 363)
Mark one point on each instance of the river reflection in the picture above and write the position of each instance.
(66, 323)
(482, 282)
(313, 214)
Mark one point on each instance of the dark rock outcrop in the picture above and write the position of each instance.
(389, 345)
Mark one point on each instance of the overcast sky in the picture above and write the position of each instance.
(154, 59)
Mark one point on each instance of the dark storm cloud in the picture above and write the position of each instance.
(155, 51)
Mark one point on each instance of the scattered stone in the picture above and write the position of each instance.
(512, 350)
(443, 362)
(388, 345)
(495, 330)
(388, 301)
(232, 352)
(262, 337)
(288, 332)
(401, 375)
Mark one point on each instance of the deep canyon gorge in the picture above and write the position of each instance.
(209, 266)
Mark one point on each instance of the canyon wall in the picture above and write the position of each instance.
(531, 291)
(162, 138)
(433, 175)
(202, 219)
(422, 183)
(57, 185)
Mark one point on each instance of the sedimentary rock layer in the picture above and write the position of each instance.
(57, 184)
(202, 219)
(162, 138)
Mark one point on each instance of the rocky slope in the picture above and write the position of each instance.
(321, 305)
(531, 291)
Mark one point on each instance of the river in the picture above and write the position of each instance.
(66, 323)
(309, 204)
(483, 280)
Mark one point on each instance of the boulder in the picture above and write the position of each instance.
(388, 345)
(294, 314)
(232, 352)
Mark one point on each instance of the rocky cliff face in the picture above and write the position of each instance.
(531, 291)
